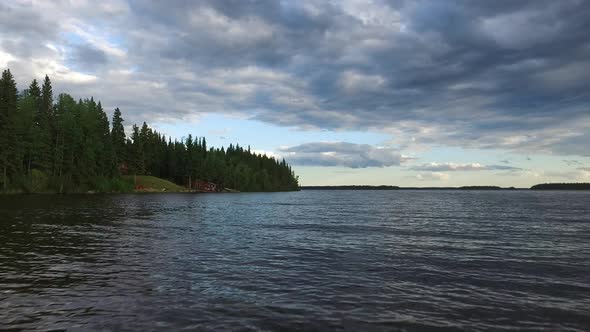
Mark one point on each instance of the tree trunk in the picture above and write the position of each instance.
(55, 155)
(29, 169)
(29, 164)
(61, 166)
(5, 179)
(61, 185)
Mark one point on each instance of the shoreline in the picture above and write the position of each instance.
(137, 192)
(537, 187)
(151, 192)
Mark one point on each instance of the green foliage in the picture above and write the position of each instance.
(43, 131)
(121, 185)
(69, 146)
(103, 184)
(36, 182)
(9, 144)
(152, 183)
(118, 138)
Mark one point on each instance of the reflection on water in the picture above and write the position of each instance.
(305, 260)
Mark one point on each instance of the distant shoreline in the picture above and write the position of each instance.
(387, 188)
(155, 185)
(544, 186)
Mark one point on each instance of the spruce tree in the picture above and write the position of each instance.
(107, 162)
(118, 137)
(32, 120)
(136, 156)
(46, 104)
(8, 138)
(44, 146)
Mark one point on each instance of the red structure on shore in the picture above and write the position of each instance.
(204, 186)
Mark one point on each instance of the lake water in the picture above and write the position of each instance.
(310, 260)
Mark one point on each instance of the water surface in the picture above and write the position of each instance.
(310, 260)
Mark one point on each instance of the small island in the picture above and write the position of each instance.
(69, 146)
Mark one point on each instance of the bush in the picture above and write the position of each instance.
(101, 184)
(36, 182)
(121, 186)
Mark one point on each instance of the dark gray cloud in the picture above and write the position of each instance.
(87, 57)
(452, 167)
(477, 74)
(342, 154)
(29, 22)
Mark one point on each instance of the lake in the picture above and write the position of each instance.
(309, 260)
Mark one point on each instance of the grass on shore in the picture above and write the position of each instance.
(154, 184)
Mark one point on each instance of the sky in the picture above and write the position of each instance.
(409, 93)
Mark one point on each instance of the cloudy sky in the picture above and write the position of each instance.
(425, 93)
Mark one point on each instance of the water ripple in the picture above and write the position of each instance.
(312, 260)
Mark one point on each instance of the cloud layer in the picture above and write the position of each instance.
(434, 176)
(341, 154)
(452, 167)
(487, 74)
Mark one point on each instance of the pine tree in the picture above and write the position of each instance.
(107, 162)
(144, 140)
(31, 121)
(67, 135)
(8, 138)
(118, 137)
(136, 157)
(47, 97)
(44, 134)
(35, 92)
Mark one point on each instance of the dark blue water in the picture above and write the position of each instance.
(311, 260)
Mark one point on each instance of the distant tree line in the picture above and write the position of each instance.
(483, 188)
(351, 187)
(561, 186)
(65, 145)
(387, 187)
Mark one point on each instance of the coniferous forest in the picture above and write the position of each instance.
(59, 144)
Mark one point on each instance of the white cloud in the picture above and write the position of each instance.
(452, 167)
(229, 31)
(356, 82)
(519, 30)
(94, 38)
(5, 58)
(342, 154)
(434, 176)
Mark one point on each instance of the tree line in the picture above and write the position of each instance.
(561, 186)
(64, 145)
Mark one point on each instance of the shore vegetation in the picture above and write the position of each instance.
(57, 144)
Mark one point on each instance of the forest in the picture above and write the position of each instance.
(561, 186)
(61, 145)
